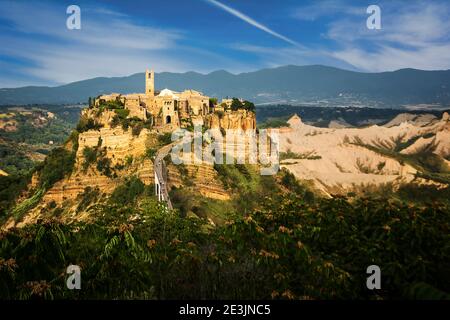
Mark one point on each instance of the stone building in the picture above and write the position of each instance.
(167, 109)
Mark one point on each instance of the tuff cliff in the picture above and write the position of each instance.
(108, 148)
(124, 152)
(241, 119)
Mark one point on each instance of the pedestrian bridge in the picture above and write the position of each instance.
(161, 176)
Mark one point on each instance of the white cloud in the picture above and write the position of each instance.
(414, 25)
(413, 35)
(419, 25)
(390, 59)
(99, 26)
(108, 44)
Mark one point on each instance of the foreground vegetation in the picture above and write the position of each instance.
(287, 248)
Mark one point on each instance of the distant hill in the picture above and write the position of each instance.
(287, 84)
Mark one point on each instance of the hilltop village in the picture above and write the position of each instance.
(167, 110)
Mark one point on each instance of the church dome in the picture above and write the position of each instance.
(168, 93)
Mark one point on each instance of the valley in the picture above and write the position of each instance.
(29, 133)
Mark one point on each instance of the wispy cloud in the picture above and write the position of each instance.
(324, 8)
(251, 21)
(109, 44)
(413, 35)
(418, 24)
(100, 27)
(387, 58)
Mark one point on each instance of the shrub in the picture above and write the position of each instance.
(55, 166)
(86, 124)
(148, 124)
(286, 249)
(128, 160)
(136, 130)
(125, 124)
(10, 188)
(309, 155)
(112, 105)
(104, 166)
(122, 113)
(150, 152)
(381, 165)
(213, 102)
(165, 138)
(236, 104)
(127, 192)
(115, 121)
(73, 138)
(90, 156)
(277, 123)
(88, 196)
(219, 113)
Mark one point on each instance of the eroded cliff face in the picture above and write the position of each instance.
(341, 160)
(202, 179)
(124, 153)
(240, 119)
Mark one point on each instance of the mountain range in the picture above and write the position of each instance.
(316, 84)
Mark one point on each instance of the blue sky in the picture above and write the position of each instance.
(119, 38)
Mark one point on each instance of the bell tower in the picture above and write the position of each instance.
(149, 82)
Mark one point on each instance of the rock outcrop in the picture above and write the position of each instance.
(445, 116)
(295, 121)
(201, 178)
(240, 119)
